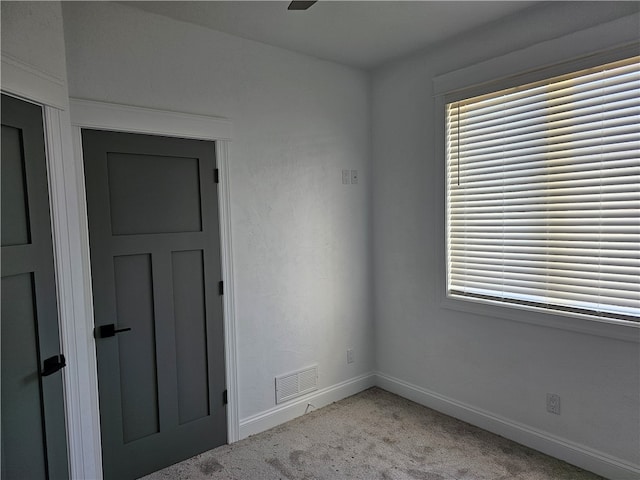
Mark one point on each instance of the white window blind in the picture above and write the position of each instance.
(543, 193)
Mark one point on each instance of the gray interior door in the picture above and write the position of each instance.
(34, 444)
(155, 261)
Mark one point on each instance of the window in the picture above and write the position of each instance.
(543, 193)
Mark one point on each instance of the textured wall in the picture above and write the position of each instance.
(501, 366)
(32, 33)
(301, 240)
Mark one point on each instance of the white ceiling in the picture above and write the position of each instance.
(359, 33)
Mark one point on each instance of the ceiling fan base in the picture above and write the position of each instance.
(300, 5)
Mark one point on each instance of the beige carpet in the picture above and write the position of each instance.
(374, 435)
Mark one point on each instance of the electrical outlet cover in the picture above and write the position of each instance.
(553, 403)
(350, 356)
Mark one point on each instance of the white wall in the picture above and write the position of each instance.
(33, 55)
(500, 367)
(43, 48)
(301, 239)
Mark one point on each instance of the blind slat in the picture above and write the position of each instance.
(571, 262)
(551, 97)
(558, 155)
(621, 69)
(622, 107)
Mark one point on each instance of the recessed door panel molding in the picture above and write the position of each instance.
(191, 334)
(154, 194)
(136, 347)
(22, 416)
(15, 209)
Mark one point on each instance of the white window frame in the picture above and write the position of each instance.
(546, 60)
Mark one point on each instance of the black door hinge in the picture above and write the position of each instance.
(225, 398)
(216, 175)
(220, 287)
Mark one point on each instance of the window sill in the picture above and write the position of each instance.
(574, 322)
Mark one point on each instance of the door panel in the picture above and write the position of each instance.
(153, 194)
(33, 423)
(136, 349)
(155, 259)
(15, 227)
(191, 334)
(21, 412)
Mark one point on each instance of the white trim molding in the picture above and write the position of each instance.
(28, 81)
(125, 118)
(583, 44)
(571, 452)
(72, 307)
(231, 346)
(105, 116)
(283, 413)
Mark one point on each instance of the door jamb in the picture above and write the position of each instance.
(114, 117)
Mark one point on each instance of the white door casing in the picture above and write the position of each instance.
(113, 117)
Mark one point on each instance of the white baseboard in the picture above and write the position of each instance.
(320, 398)
(576, 454)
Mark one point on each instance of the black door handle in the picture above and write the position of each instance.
(110, 330)
(53, 364)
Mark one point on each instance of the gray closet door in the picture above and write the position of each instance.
(34, 443)
(155, 262)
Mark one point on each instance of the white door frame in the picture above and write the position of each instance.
(113, 117)
(30, 83)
